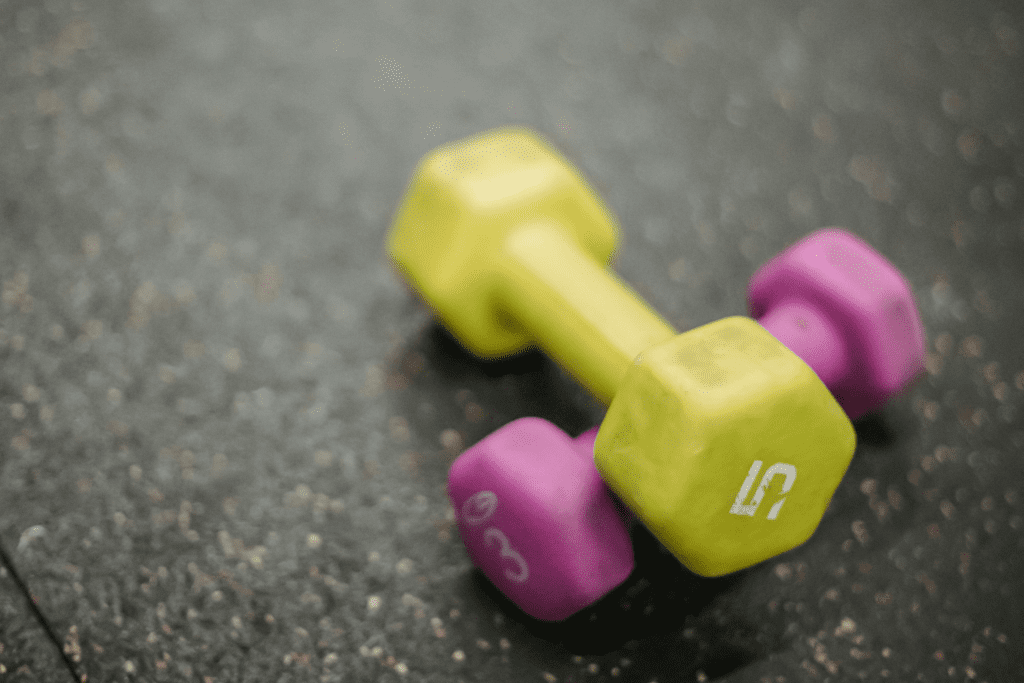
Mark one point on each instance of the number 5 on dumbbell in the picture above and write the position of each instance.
(784, 469)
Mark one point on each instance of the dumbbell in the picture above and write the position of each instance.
(550, 494)
(538, 520)
(504, 239)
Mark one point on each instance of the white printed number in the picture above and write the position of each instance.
(739, 507)
(506, 551)
(479, 508)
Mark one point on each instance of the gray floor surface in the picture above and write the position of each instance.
(225, 423)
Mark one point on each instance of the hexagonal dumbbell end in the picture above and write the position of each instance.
(537, 520)
(464, 200)
(725, 445)
(847, 311)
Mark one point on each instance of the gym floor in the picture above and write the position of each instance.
(225, 423)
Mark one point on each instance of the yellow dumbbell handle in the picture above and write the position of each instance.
(580, 313)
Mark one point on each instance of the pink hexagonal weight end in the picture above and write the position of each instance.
(538, 520)
(870, 306)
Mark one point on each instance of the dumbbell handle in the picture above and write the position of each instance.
(584, 443)
(809, 334)
(588, 320)
(578, 312)
(584, 446)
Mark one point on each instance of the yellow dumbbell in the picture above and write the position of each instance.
(505, 240)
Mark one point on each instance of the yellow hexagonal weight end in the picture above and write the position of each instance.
(463, 200)
(726, 445)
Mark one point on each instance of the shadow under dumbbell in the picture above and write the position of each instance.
(532, 384)
(450, 357)
(873, 430)
(654, 601)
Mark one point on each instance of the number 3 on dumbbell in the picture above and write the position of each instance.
(785, 469)
(479, 508)
(505, 550)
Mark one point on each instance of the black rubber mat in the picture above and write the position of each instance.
(225, 423)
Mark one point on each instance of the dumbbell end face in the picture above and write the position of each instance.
(867, 300)
(725, 445)
(536, 518)
(464, 199)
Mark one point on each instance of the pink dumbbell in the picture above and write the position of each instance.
(845, 311)
(531, 507)
(537, 519)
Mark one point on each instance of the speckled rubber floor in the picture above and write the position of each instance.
(225, 423)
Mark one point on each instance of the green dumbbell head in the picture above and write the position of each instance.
(725, 444)
(464, 200)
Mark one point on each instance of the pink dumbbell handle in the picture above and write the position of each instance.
(585, 443)
(811, 336)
